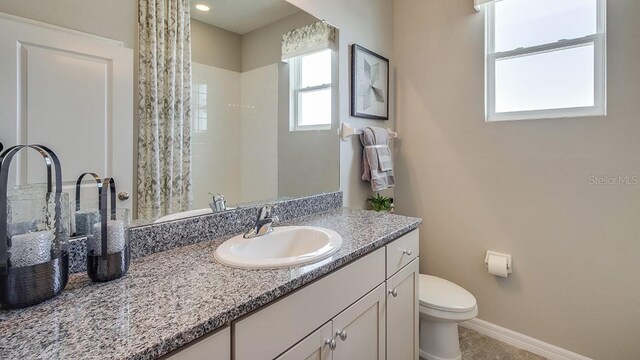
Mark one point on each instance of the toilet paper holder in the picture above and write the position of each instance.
(495, 253)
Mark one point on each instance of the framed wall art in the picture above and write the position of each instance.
(369, 84)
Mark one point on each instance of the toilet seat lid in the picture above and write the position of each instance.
(441, 294)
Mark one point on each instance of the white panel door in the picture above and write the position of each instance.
(362, 326)
(72, 92)
(403, 313)
(314, 347)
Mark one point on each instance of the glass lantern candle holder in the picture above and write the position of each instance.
(83, 219)
(108, 257)
(34, 230)
(38, 262)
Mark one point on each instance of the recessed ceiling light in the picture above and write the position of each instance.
(203, 7)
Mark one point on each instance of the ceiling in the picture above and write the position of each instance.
(242, 16)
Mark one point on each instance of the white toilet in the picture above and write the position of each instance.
(442, 305)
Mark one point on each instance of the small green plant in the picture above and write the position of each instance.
(380, 203)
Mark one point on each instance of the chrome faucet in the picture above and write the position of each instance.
(263, 224)
(218, 204)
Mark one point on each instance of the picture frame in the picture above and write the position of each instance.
(369, 84)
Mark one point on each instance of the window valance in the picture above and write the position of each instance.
(308, 39)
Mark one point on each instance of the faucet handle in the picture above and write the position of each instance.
(264, 212)
(218, 202)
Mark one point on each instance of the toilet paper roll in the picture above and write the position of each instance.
(498, 266)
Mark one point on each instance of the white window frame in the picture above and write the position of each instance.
(600, 71)
(199, 124)
(295, 75)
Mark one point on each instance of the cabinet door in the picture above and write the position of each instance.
(403, 313)
(362, 326)
(314, 347)
(269, 332)
(216, 346)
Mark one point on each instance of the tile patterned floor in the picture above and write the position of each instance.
(476, 346)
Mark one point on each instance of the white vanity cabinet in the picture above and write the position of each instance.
(360, 329)
(403, 315)
(355, 333)
(272, 330)
(216, 346)
(316, 346)
(402, 251)
(367, 309)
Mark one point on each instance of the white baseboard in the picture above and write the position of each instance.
(521, 341)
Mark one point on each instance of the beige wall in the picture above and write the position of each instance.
(213, 46)
(368, 23)
(115, 19)
(522, 187)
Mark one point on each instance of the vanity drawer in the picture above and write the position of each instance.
(401, 251)
(218, 344)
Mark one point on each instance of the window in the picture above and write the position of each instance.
(545, 59)
(199, 117)
(311, 91)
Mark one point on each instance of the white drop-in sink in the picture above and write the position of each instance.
(285, 246)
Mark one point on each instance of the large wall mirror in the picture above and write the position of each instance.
(263, 114)
(263, 128)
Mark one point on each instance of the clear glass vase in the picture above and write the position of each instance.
(82, 221)
(114, 263)
(38, 246)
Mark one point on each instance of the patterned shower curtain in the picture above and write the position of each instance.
(164, 136)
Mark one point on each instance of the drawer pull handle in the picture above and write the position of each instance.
(407, 252)
(331, 343)
(342, 334)
(393, 292)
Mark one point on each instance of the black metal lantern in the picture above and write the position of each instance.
(34, 236)
(108, 250)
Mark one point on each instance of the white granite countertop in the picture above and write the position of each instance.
(173, 297)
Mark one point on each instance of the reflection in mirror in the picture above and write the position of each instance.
(253, 121)
(264, 104)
